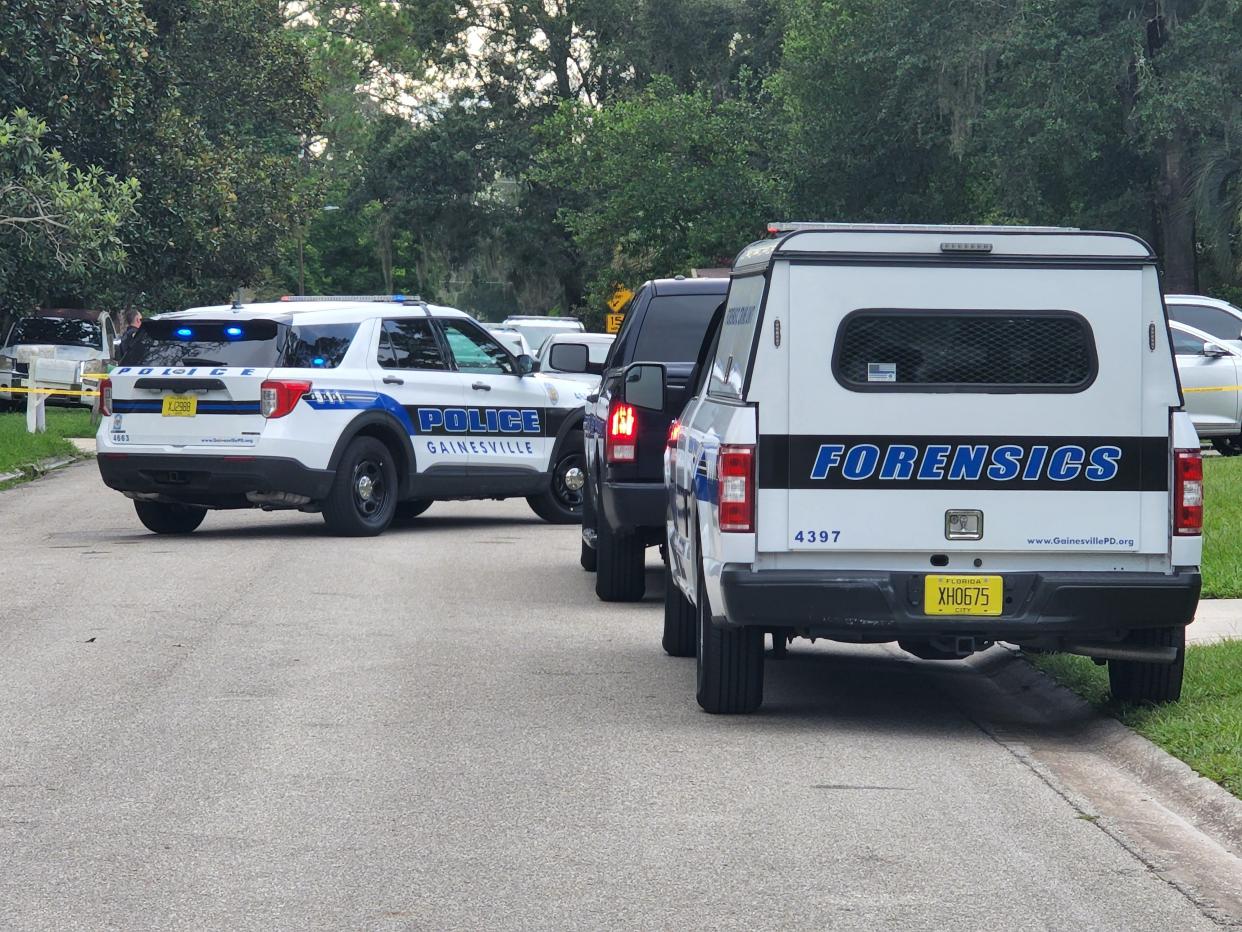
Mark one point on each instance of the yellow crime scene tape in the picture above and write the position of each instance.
(47, 391)
(1214, 388)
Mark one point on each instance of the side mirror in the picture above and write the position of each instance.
(569, 357)
(1214, 350)
(643, 385)
(525, 365)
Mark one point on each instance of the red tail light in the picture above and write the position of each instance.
(277, 397)
(1187, 492)
(621, 439)
(735, 488)
(105, 397)
(674, 431)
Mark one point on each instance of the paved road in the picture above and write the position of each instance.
(262, 727)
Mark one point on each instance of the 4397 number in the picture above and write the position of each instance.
(817, 537)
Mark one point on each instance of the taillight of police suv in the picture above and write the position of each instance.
(105, 397)
(1187, 492)
(621, 433)
(735, 488)
(277, 397)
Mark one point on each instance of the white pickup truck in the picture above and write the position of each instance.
(80, 342)
(939, 436)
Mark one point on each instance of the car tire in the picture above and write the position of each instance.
(363, 497)
(169, 518)
(587, 557)
(1149, 683)
(730, 663)
(620, 571)
(1227, 446)
(409, 510)
(681, 635)
(562, 502)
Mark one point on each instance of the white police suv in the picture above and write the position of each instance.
(939, 436)
(363, 409)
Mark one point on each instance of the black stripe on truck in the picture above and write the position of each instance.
(1112, 464)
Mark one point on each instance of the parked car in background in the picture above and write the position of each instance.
(624, 500)
(1219, 319)
(596, 345)
(512, 339)
(83, 337)
(1211, 371)
(537, 328)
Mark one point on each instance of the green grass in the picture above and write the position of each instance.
(1222, 531)
(1204, 729)
(18, 448)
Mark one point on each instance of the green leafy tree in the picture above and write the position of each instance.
(59, 226)
(665, 181)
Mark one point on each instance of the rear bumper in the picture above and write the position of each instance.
(633, 506)
(885, 606)
(217, 481)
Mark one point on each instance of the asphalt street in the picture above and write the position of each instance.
(263, 727)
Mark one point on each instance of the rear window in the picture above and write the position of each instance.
(56, 330)
(964, 351)
(673, 327)
(240, 343)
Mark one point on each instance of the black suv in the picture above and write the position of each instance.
(623, 508)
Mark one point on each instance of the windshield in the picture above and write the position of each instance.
(58, 330)
(242, 343)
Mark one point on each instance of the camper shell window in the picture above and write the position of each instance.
(899, 350)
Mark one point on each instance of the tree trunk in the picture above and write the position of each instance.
(1176, 218)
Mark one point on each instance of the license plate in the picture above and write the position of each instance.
(180, 406)
(963, 595)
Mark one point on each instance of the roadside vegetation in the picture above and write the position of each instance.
(1222, 531)
(19, 448)
(1204, 729)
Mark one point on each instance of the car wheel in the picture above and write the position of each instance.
(1140, 682)
(586, 554)
(363, 497)
(562, 502)
(620, 572)
(409, 510)
(1227, 446)
(680, 622)
(168, 518)
(730, 663)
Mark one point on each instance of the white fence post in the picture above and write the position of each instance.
(36, 402)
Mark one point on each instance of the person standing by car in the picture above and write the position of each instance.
(133, 323)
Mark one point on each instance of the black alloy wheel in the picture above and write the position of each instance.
(363, 498)
(562, 502)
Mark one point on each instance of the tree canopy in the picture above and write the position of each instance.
(530, 155)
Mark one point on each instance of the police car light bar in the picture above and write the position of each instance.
(375, 298)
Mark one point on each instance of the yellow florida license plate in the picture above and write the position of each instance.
(180, 406)
(963, 595)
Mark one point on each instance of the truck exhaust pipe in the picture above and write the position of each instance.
(1124, 652)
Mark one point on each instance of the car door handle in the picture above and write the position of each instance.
(481, 387)
(393, 380)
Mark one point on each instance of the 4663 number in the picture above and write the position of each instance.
(817, 536)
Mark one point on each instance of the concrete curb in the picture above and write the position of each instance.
(31, 471)
(1182, 825)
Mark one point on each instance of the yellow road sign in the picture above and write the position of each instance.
(620, 298)
(614, 322)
